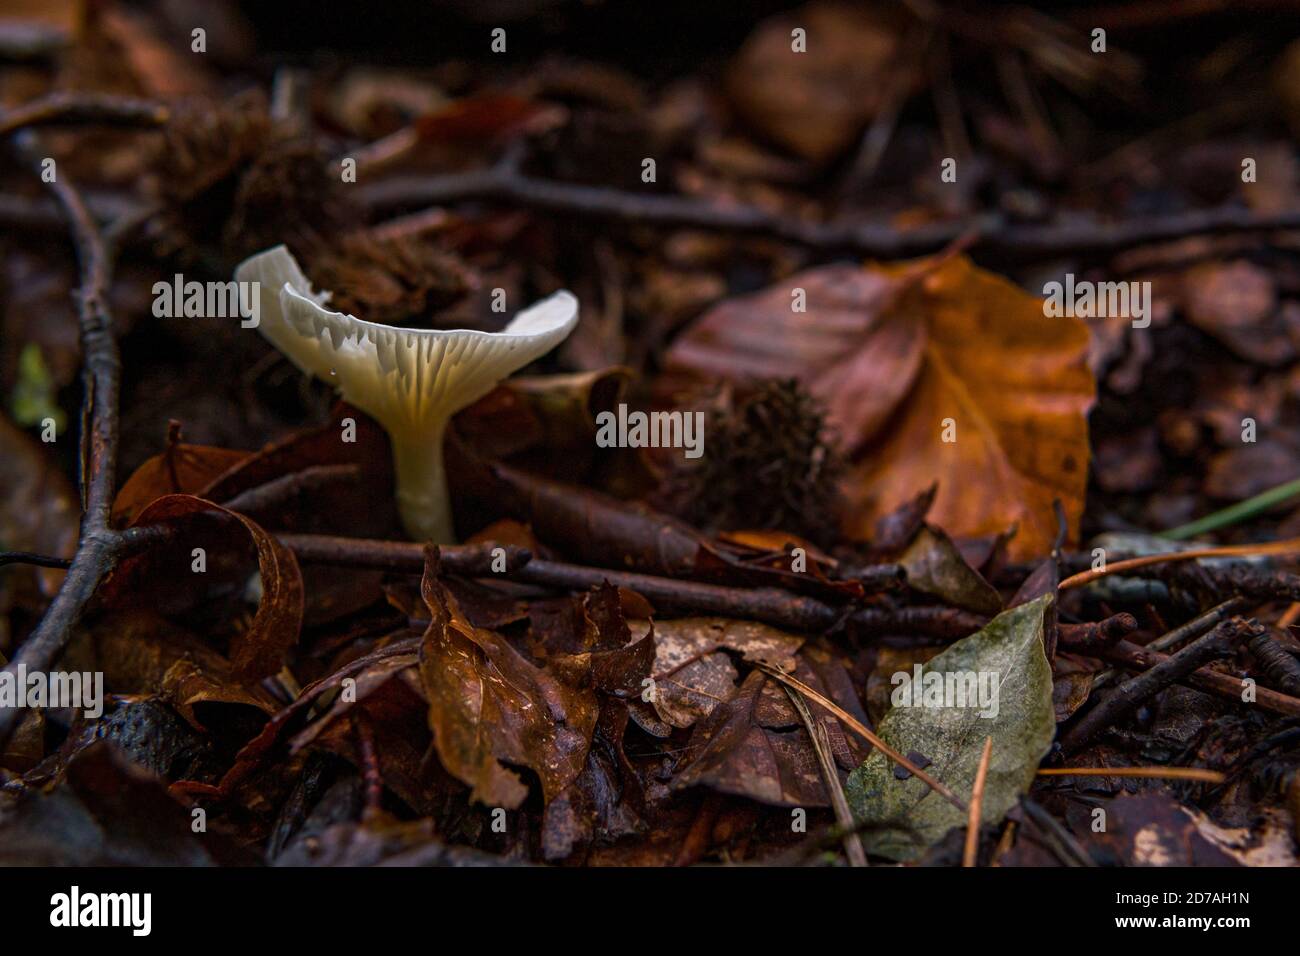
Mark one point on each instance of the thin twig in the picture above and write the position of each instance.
(279, 491)
(1170, 773)
(1286, 546)
(31, 558)
(1183, 633)
(1129, 696)
(468, 559)
(970, 852)
(831, 777)
(861, 729)
(1132, 657)
(1197, 625)
(770, 605)
(62, 109)
(369, 760)
(505, 183)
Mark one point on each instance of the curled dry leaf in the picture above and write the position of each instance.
(933, 370)
(259, 650)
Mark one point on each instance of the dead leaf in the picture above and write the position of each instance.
(488, 705)
(259, 650)
(1237, 303)
(735, 750)
(1017, 388)
(816, 103)
(934, 566)
(906, 355)
(181, 469)
(692, 672)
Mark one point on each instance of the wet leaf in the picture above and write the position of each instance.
(110, 811)
(489, 706)
(907, 816)
(1153, 829)
(735, 750)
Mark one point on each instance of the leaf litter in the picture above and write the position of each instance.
(912, 471)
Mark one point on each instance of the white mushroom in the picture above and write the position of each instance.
(409, 380)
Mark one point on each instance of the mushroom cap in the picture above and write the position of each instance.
(411, 380)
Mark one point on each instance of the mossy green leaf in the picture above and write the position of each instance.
(996, 683)
(34, 398)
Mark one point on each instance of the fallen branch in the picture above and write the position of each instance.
(1225, 686)
(1130, 695)
(99, 545)
(769, 605)
(399, 556)
(506, 183)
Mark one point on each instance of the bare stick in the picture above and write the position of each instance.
(99, 544)
(831, 777)
(505, 183)
(970, 852)
(1169, 773)
(1129, 696)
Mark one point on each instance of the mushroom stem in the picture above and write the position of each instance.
(422, 498)
(411, 381)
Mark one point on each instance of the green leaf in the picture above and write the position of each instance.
(908, 817)
(34, 397)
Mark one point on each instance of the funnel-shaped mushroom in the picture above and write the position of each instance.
(409, 380)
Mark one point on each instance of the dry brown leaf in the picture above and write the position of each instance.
(489, 706)
(1018, 389)
(815, 103)
(692, 672)
(181, 469)
(260, 649)
(896, 351)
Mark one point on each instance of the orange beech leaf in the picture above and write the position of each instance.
(905, 355)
